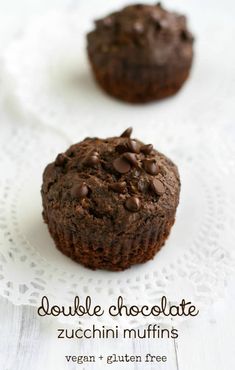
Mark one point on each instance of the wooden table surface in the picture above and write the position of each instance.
(28, 342)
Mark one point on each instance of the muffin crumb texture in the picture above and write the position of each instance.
(110, 203)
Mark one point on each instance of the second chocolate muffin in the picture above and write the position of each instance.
(141, 53)
(110, 203)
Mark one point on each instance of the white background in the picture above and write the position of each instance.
(29, 342)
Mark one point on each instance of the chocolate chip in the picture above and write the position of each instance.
(155, 16)
(91, 138)
(164, 23)
(61, 159)
(157, 186)
(146, 149)
(121, 165)
(150, 166)
(186, 35)
(131, 158)
(93, 160)
(118, 187)
(158, 26)
(127, 132)
(133, 146)
(79, 191)
(132, 204)
(138, 27)
(70, 153)
(107, 22)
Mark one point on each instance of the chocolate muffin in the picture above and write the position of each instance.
(110, 203)
(141, 53)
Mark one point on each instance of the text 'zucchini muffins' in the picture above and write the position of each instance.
(110, 203)
(141, 53)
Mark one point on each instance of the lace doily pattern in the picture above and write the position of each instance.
(195, 263)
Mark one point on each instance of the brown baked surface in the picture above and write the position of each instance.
(141, 53)
(110, 203)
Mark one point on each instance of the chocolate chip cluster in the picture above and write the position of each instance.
(129, 159)
(126, 155)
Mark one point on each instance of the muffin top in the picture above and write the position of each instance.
(118, 179)
(143, 33)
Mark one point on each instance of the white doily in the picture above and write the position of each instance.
(47, 73)
(194, 264)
